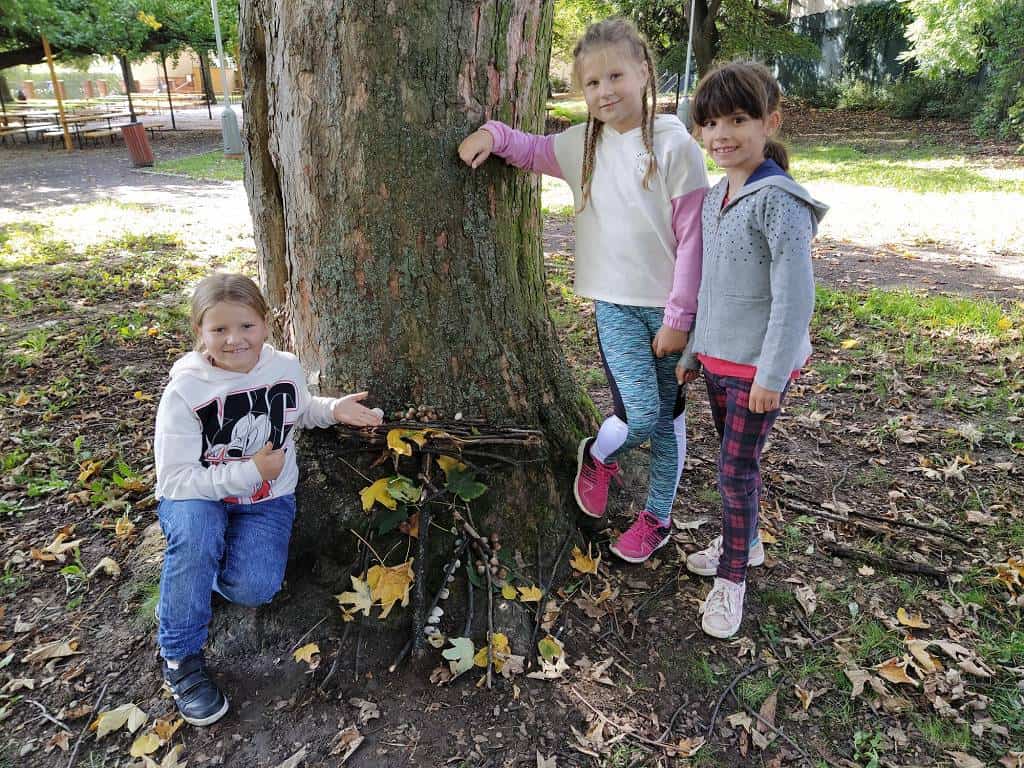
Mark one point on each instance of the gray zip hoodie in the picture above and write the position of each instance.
(757, 288)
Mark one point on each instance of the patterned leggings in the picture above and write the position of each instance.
(649, 404)
(743, 435)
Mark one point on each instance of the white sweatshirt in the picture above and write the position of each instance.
(211, 421)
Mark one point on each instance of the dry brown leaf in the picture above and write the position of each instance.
(895, 671)
(925, 660)
(1012, 760)
(807, 599)
(346, 742)
(964, 760)
(806, 695)
(60, 740)
(55, 650)
(858, 677)
(146, 744)
(688, 747)
(166, 727)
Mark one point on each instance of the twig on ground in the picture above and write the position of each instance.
(757, 715)
(890, 563)
(81, 735)
(814, 507)
(419, 600)
(48, 716)
(755, 667)
(490, 626)
(628, 733)
(469, 599)
(539, 613)
(308, 633)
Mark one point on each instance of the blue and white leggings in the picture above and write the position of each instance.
(649, 403)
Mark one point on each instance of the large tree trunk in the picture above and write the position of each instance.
(391, 266)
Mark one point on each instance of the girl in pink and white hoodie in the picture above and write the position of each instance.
(638, 180)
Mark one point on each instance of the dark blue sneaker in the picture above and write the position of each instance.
(198, 699)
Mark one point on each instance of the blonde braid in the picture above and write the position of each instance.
(647, 118)
(590, 140)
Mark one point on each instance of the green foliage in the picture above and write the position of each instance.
(868, 30)
(760, 31)
(571, 19)
(954, 40)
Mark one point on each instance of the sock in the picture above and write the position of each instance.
(610, 437)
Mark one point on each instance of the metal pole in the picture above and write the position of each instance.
(683, 109)
(228, 121)
(167, 82)
(56, 92)
(126, 73)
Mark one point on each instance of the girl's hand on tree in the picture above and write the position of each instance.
(763, 400)
(686, 375)
(476, 148)
(268, 461)
(349, 411)
(668, 341)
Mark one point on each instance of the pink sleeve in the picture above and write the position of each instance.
(524, 150)
(681, 308)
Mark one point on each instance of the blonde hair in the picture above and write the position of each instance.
(229, 287)
(617, 31)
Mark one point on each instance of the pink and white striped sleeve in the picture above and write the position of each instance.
(524, 150)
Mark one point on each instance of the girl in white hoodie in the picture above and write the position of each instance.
(226, 475)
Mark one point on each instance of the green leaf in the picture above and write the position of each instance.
(389, 519)
(463, 484)
(402, 488)
(460, 655)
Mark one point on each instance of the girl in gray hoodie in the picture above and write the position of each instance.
(753, 310)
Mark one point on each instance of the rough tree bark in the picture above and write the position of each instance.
(390, 266)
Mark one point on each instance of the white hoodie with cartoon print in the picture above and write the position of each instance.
(211, 422)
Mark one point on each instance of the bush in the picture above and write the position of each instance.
(858, 96)
(950, 97)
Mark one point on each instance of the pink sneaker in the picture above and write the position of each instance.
(644, 536)
(592, 480)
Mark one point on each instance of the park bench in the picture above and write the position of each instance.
(11, 131)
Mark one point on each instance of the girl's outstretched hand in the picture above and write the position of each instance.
(763, 400)
(668, 341)
(686, 375)
(476, 148)
(348, 410)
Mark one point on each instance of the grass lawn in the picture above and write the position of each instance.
(212, 166)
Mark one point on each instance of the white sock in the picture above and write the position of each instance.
(610, 437)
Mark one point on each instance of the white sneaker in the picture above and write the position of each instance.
(705, 562)
(723, 608)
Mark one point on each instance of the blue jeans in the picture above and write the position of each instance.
(238, 550)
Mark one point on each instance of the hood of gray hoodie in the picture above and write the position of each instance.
(769, 174)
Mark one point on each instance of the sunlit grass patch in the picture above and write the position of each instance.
(556, 198)
(928, 169)
(209, 166)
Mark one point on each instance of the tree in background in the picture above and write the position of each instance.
(723, 29)
(80, 29)
(953, 39)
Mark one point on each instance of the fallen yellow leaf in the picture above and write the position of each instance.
(508, 592)
(166, 727)
(849, 343)
(360, 599)
(911, 619)
(306, 653)
(123, 527)
(1004, 324)
(501, 652)
(138, 394)
(88, 468)
(530, 594)
(145, 744)
(447, 464)
(397, 440)
(22, 399)
(388, 585)
(584, 563)
(378, 492)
